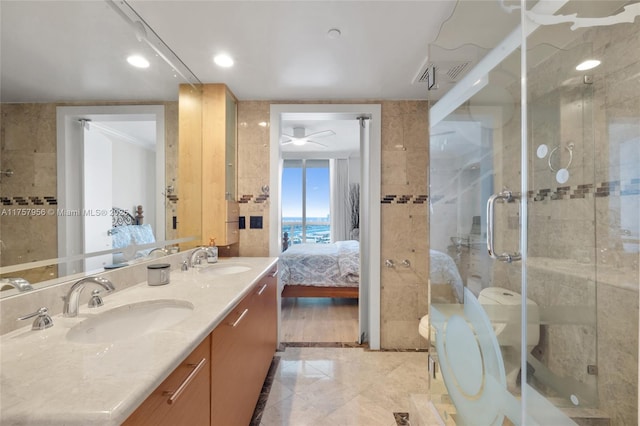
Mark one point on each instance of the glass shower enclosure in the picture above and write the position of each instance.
(534, 214)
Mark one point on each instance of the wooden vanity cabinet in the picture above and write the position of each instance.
(220, 381)
(242, 348)
(184, 398)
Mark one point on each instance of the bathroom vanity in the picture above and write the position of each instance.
(203, 362)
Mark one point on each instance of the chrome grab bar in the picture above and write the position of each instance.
(507, 196)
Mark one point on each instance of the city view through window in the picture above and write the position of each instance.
(306, 201)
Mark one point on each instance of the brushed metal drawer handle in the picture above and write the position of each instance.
(175, 395)
(262, 290)
(240, 317)
(275, 273)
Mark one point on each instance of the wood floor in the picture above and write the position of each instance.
(310, 319)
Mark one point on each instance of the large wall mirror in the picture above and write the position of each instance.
(84, 134)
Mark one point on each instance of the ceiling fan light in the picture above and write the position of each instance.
(299, 142)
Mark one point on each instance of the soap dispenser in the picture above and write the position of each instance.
(212, 253)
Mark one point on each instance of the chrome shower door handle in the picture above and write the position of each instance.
(508, 197)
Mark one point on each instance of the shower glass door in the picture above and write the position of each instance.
(475, 311)
(583, 220)
(558, 204)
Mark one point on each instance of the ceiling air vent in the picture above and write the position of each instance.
(425, 74)
(444, 72)
(455, 69)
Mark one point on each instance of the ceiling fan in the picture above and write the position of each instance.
(300, 137)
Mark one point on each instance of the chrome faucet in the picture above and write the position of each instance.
(196, 255)
(42, 321)
(18, 283)
(72, 299)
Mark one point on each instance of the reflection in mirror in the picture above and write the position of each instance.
(64, 76)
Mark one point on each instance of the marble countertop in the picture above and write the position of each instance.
(47, 379)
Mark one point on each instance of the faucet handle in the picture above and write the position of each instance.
(185, 266)
(96, 300)
(42, 321)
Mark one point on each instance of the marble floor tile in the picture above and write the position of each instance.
(277, 393)
(343, 386)
(360, 411)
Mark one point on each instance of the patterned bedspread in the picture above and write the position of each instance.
(321, 265)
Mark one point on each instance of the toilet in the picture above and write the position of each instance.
(503, 308)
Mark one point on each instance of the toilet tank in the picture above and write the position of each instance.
(503, 309)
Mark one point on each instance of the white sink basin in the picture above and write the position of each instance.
(226, 268)
(130, 320)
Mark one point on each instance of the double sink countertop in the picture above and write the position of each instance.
(46, 378)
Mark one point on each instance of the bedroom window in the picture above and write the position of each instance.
(306, 201)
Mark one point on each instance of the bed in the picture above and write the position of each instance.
(128, 230)
(446, 283)
(321, 270)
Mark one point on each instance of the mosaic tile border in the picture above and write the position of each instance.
(284, 345)
(404, 199)
(29, 200)
(47, 200)
(614, 188)
(245, 199)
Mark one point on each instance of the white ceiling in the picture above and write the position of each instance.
(76, 50)
(282, 49)
(56, 51)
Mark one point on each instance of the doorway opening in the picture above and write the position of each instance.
(321, 155)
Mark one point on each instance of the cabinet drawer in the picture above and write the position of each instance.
(184, 398)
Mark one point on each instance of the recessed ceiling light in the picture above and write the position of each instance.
(223, 60)
(588, 64)
(138, 61)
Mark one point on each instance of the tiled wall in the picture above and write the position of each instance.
(403, 208)
(582, 257)
(405, 159)
(253, 174)
(28, 147)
